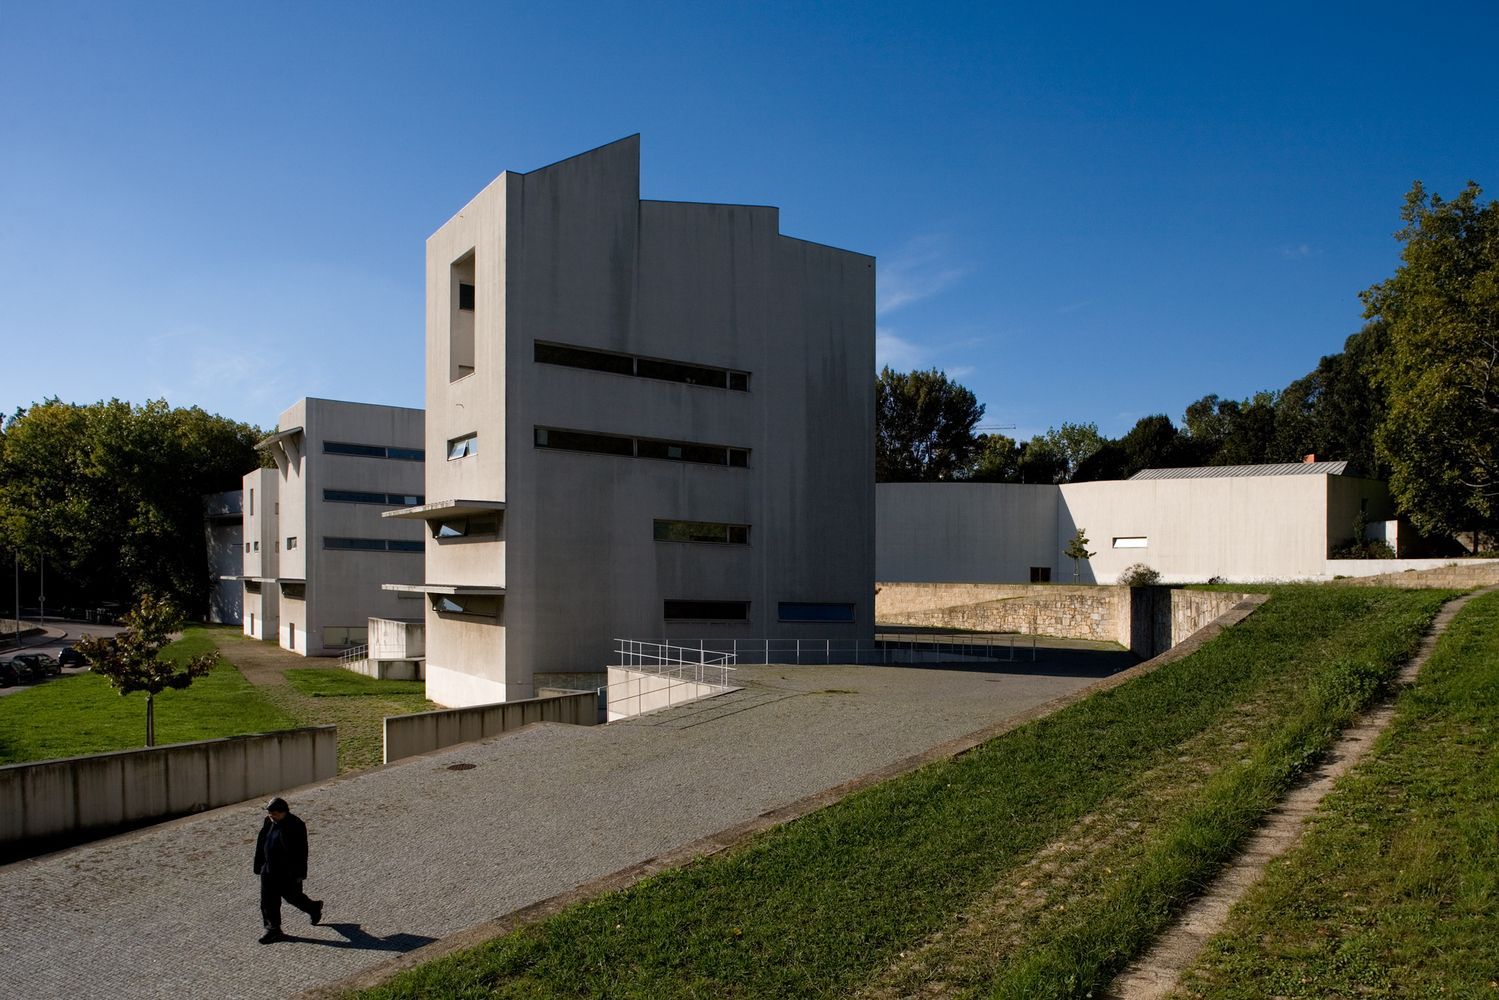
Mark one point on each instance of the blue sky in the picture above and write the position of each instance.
(1084, 212)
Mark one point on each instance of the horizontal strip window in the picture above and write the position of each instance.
(296, 591)
(465, 527)
(628, 364)
(252, 586)
(706, 611)
(477, 605)
(802, 611)
(702, 531)
(372, 544)
(374, 451)
(379, 499)
(615, 444)
(1134, 542)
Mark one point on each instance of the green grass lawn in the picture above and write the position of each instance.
(82, 713)
(837, 902)
(1395, 890)
(347, 684)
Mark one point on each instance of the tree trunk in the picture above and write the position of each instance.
(150, 719)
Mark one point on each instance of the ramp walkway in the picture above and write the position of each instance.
(423, 848)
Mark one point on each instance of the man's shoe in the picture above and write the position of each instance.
(317, 912)
(271, 937)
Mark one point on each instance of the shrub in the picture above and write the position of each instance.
(1139, 575)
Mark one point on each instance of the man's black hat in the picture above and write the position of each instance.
(277, 805)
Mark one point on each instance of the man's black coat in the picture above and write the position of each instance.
(281, 849)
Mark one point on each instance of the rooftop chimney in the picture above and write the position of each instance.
(1309, 459)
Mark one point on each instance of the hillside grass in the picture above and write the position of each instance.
(841, 901)
(1394, 891)
(82, 713)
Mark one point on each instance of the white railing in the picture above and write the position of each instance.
(886, 649)
(355, 654)
(661, 675)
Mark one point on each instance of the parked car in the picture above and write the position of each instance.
(41, 665)
(9, 675)
(25, 668)
(71, 657)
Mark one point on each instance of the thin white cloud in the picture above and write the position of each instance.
(893, 351)
(919, 270)
(1072, 307)
(1296, 251)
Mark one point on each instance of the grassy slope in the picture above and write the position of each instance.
(82, 713)
(815, 908)
(1395, 890)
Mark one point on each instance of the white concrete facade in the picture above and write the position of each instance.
(645, 419)
(317, 551)
(1243, 528)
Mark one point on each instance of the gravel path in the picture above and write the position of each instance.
(417, 850)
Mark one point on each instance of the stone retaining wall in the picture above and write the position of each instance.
(1459, 576)
(1027, 609)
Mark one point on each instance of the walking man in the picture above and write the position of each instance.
(281, 863)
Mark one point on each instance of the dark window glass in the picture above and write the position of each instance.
(406, 499)
(675, 371)
(373, 451)
(343, 448)
(297, 591)
(603, 444)
(252, 586)
(486, 605)
(728, 611)
(465, 527)
(739, 381)
(739, 458)
(405, 545)
(582, 357)
(353, 496)
(465, 296)
(701, 531)
(360, 544)
(1040, 574)
(799, 611)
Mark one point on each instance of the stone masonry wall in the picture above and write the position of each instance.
(1477, 573)
(1044, 609)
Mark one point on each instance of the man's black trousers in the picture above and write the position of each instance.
(272, 891)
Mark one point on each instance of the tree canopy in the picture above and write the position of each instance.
(112, 495)
(924, 427)
(1440, 370)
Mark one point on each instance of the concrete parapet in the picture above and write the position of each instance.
(423, 732)
(55, 802)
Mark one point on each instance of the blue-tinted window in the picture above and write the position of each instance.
(373, 451)
(404, 545)
(802, 611)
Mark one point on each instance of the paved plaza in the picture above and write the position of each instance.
(414, 851)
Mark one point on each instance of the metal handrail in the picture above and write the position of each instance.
(355, 653)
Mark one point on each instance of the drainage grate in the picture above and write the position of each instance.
(461, 767)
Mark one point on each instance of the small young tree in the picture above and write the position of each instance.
(130, 661)
(1077, 551)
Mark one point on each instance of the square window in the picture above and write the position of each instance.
(465, 296)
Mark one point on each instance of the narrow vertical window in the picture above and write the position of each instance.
(461, 314)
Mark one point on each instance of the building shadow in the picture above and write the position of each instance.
(356, 937)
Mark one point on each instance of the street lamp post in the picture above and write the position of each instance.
(41, 593)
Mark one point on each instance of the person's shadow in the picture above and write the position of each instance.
(355, 937)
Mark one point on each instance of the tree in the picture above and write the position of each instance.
(996, 460)
(924, 427)
(1057, 455)
(1153, 443)
(131, 662)
(1440, 434)
(1077, 551)
(112, 495)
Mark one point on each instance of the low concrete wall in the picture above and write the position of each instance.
(635, 692)
(66, 800)
(1076, 612)
(423, 732)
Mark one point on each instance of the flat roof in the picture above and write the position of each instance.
(1233, 471)
(446, 508)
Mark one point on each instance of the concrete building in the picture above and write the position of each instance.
(316, 550)
(647, 419)
(1241, 523)
(223, 528)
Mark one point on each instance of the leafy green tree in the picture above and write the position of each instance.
(1440, 434)
(1232, 432)
(1077, 551)
(924, 427)
(1057, 455)
(111, 494)
(132, 662)
(1153, 443)
(996, 460)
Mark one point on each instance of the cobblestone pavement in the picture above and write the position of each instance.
(417, 850)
